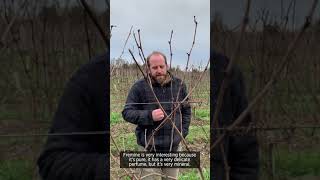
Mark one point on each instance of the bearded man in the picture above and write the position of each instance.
(142, 110)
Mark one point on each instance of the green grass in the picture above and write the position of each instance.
(127, 178)
(296, 164)
(291, 164)
(8, 114)
(16, 170)
(297, 106)
(197, 133)
(125, 141)
(203, 114)
(115, 118)
(194, 175)
(20, 111)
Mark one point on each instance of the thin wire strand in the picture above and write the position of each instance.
(57, 134)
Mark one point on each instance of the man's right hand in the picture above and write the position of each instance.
(157, 115)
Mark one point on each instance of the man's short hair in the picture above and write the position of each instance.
(156, 53)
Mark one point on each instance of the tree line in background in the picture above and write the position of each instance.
(43, 47)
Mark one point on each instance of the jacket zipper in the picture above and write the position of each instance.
(163, 90)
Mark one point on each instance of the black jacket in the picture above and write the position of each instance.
(141, 114)
(83, 107)
(241, 151)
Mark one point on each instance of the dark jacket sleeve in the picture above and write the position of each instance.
(74, 157)
(243, 149)
(132, 112)
(186, 112)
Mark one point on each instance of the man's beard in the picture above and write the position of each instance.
(159, 78)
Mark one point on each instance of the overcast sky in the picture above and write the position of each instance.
(156, 19)
(232, 11)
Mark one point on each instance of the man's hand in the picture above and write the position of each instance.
(157, 115)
